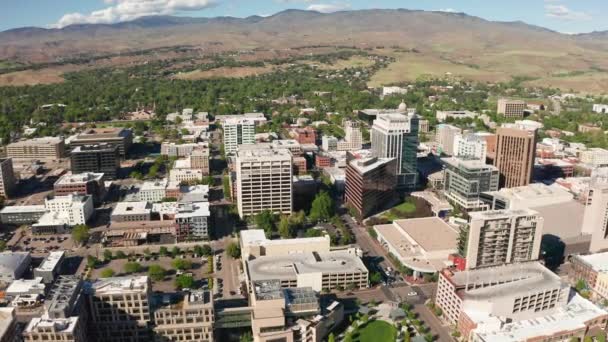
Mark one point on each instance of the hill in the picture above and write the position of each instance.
(454, 43)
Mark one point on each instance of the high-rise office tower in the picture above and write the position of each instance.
(515, 153)
(7, 178)
(396, 136)
(595, 219)
(445, 137)
(499, 237)
(370, 184)
(238, 132)
(465, 179)
(102, 158)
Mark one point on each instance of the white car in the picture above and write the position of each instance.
(412, 294)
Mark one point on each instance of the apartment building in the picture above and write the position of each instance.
(238, 132)
(515, 155)
(470, 146)
(131, 212)
(87, 183)
(464, 180)
(121, 138)
(38, 148)
(191, 220)
(396, 136)
(511, 108)
(370, 184)
(596, 157)
(499, 237)
(102, 158)
(189, 319)
(70, 329)
(445, 137)
(264, 181)
(119, 308)
(353, 138)
(8, 182)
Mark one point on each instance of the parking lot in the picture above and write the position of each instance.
(41, 244)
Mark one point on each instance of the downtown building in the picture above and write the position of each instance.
(595, 219)
(38, 148)
(370, 184)
(190, 319)
(353, 138)
(465, 180)
(511, 108)
(515, 155)
(8, 182)
(446, 137)
(87, 183)
(238, 132)
(102, 158)
(470, 146)
(264, 180)
(396, 136)
(121, 138)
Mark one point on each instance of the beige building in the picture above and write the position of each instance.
(353, 138)
(39, 148)
(8, 182)
(595, 219)
(199, 159)
(185, 175)
(264, 180)
(499, 237)
(515, 155)
(119, 308)
(43, 328)
(191, 319)
(9, 332)
(254, 244)
(511, 108)
(445, 136)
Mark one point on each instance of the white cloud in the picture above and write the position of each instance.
(329, 8)
(559, 11)
(125, 10)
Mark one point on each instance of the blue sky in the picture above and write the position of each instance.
(570, 16)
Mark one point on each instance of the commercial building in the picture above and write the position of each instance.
(102, 158)
(185, 175)
(199, 159)
(87, 183)
(518, 302)
(70, 329)
(264, 181)
(9, 330)
(50, 267)
(119, 308)
(596, 157)
(353, 138)
(77, 209)
(529, 196)
(422, 244)
(306, 135)
(8, 182)
(172, 149)
(153, 191)
(511, 108)
(13, 265)
(288, 144)
(255, 244)
(470, 146)
(329, 143)
(370, 184)
(424, 126)
(65, 298)
(396, 136)
(330, 270)
(25, 288)
(22, 214)
(38, 148)
(187, 116)
(593, 269)
(445, 137)
(121, 138)
(131, 212)
(442, 116)
(136, 233)
(238, 132)
(499, 237)
(190, 319)
(515, 153)
(465, 180)
(191, 220)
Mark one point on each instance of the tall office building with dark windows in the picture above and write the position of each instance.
(102, 158)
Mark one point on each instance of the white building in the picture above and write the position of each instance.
(181, 150)
(595, 157)
(76, 209)
(595, 220)
(600, 108)
(329, 143)
(470, 146)
(238, 132)
(387, 91)
(446, 136)
(528, 125)
(153, 191)
(255, 244)
(455, 114)
(185, 175)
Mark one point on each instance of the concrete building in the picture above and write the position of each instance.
(22, 214)
(121, 138)
(9, 330)
(119, 308)
(593, 269)
(600, 108)
(396, 136)
(70, 329)
(102, 158)
(291, 145)
(190, 320)
(264, 181)
(422, 244)
(38, 148)
(515, 154)
(51, 267)
(331, 270)
(499, 237)
(595, 157)
(470, 146)
(131, 212)
(199, 159)
(353, 139)
(87, 183)
(424, 126)
(595, 220)
(25, 288)
(529, 196)
(257, 118)
(77, 209)
(255, 244)
(185, 175)
(306, 135)
(445, 137)
(511, 108)
(329, 143)
(191, 220)
(65, 298)
(238, 132)
(443, 116)
(172, 149)
(13, 265)
(465, 180)
(370, 184)
(153, 191)
(8, 182)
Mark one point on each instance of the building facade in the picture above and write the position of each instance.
(353, 139)
(238, 132)
(370, 184)
(121, 138)
(87, 183)
(39, 148)
(8, 182)
(515, 155)
(445, 138)
(511, 108)
(470, 146)
(465, 180)
(190, 320)
(103, 158)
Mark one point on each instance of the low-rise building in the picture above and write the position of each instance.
(154, 191)
(131, 211)
(595, 156)
(185, 175)
(593, 269)
(76, 209)
(51, 267)
(87, 183)
(254, 244)
(136, 233)
(443, 116)
(306, 135)
(13, 265)
(190, 319)
(600, 108)
(172, 149)
(191, 220)
(22, 214)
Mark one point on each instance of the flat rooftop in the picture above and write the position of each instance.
(51, 261)
(154, 185)
(535, 191)
(19, 209)
(468, 163)
(249, 155)
(118, 285)
(198, 209)
(59, 325)
(256, 237)
(97, 133)
(132, 208)
(597, 261)
(431, 233)
(368, 164)
(564, 220)
(289, 266)
(77, 178)
(501, 214)
(37, 141)
(24, 286)
(7, 316)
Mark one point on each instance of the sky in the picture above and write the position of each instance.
(567, 16)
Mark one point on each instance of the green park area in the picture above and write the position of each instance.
(377, 331)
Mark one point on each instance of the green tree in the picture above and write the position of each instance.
(92, 261)
(580, 285)
(132, 267)
(106, 273)
(184, 281)
(246, 337)
(107, 255)
(375, 278)
(322, 207)
(313, 232)
(80, 233)
(233, 250)
(265, 220)
(206, 250)
(163, 251)
(156, 272)
(198, 250)
(120, 255)
(286, 228)
(2, 245)
(175, 251)
(331, 338)
(181, 264)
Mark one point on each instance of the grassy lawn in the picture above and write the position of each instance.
(401, 211)
(377, 331)
(406, 207)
